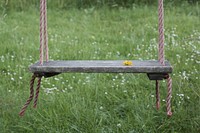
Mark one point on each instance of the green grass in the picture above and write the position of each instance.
(82, 4)
(90, 103)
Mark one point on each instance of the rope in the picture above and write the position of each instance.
(169, 95)
(43, 46)
(161, 55)
(157, 95)
(161, 58)
(22, 112)
(43, 32)
(37, 92)
(31, 96)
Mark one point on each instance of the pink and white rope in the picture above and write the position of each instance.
(161, 56)
(157, 95)
(21, 113)
(37, 92)
(169, 95)
(45, 30)
(43, 46)
(41, 32)
(161, 53)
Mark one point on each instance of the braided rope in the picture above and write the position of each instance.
(161, 54)
(169, 95)
(37, 92)
(45, 30)
(161, 57)
(157, 95)
(160, 46)
(43, 44)
(21, 113)
(41, 32)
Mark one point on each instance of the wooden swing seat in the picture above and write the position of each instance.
(153, 68)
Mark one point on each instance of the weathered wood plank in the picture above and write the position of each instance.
(101, 66)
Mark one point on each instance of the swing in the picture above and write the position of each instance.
(155, 70)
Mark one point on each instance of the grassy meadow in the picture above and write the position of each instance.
(100, 103)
